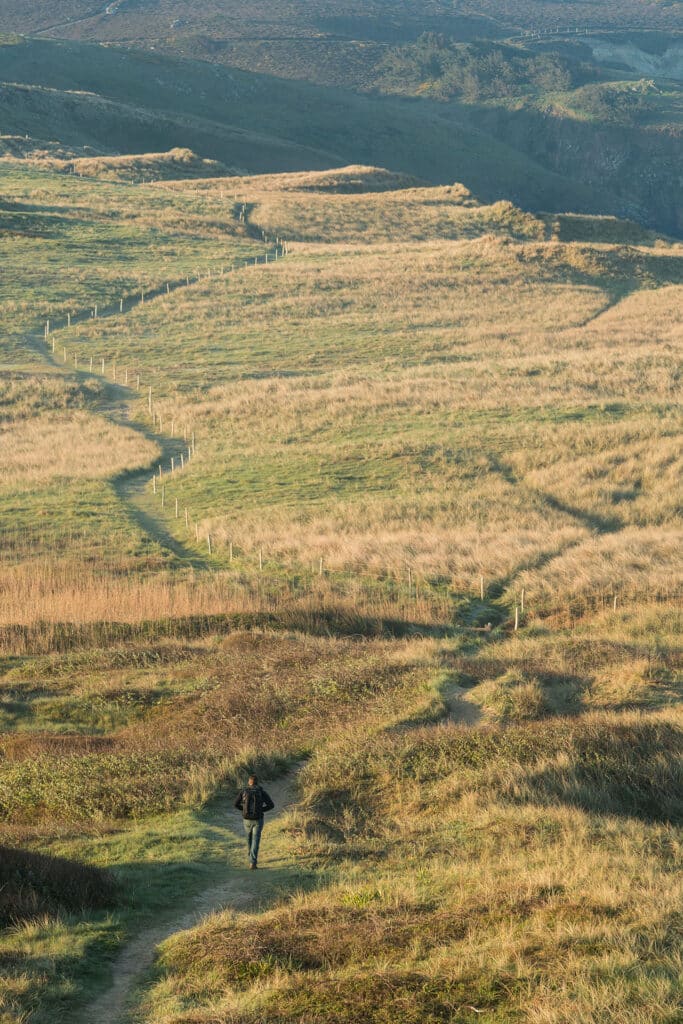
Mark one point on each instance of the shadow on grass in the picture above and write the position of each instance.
(51, 637)
(34, 884)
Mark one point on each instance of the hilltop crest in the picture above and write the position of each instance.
(356, 178)
(176, 163)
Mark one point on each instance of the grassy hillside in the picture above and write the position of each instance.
(114, 101)
(509, 121)
(419, 545)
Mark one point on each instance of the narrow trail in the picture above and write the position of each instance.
(241, 890)
(131, 485)
(460, 708)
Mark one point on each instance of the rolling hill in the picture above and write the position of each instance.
(96, 99)
(368, 485)
(341, 443)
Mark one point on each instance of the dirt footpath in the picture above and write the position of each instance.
(237, 892)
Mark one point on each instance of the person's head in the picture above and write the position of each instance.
(253, 781)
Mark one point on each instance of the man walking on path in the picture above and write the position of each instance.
(253, 802)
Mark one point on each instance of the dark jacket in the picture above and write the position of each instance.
(266, 803)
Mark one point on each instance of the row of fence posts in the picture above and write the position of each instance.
(184, 457)
(281, 250)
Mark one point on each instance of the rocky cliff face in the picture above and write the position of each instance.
(637, 171)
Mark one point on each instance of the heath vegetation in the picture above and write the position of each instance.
(399, 514)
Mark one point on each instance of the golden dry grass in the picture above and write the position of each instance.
(176, 163)
(453, 407)
(355, 178)
(498, 435)
(489, 406)
(512, 900)
(459, 408)
(69, 446)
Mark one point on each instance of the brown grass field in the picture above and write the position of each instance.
(423, 551)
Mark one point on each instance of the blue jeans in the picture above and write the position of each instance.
(253, 830)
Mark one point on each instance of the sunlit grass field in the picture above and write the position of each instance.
(419, 543)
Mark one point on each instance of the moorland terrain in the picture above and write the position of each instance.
(343, 445)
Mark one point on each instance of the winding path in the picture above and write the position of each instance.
(240, 890)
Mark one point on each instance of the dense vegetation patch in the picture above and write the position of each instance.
(210, 726)
(606, 764)
(445, 68)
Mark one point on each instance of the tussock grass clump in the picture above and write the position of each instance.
(355, 178)
(374, 217)
(38, 452)
(24, 395)
(34, 884)
(515, 698)
(315, 956)
(93, 787)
